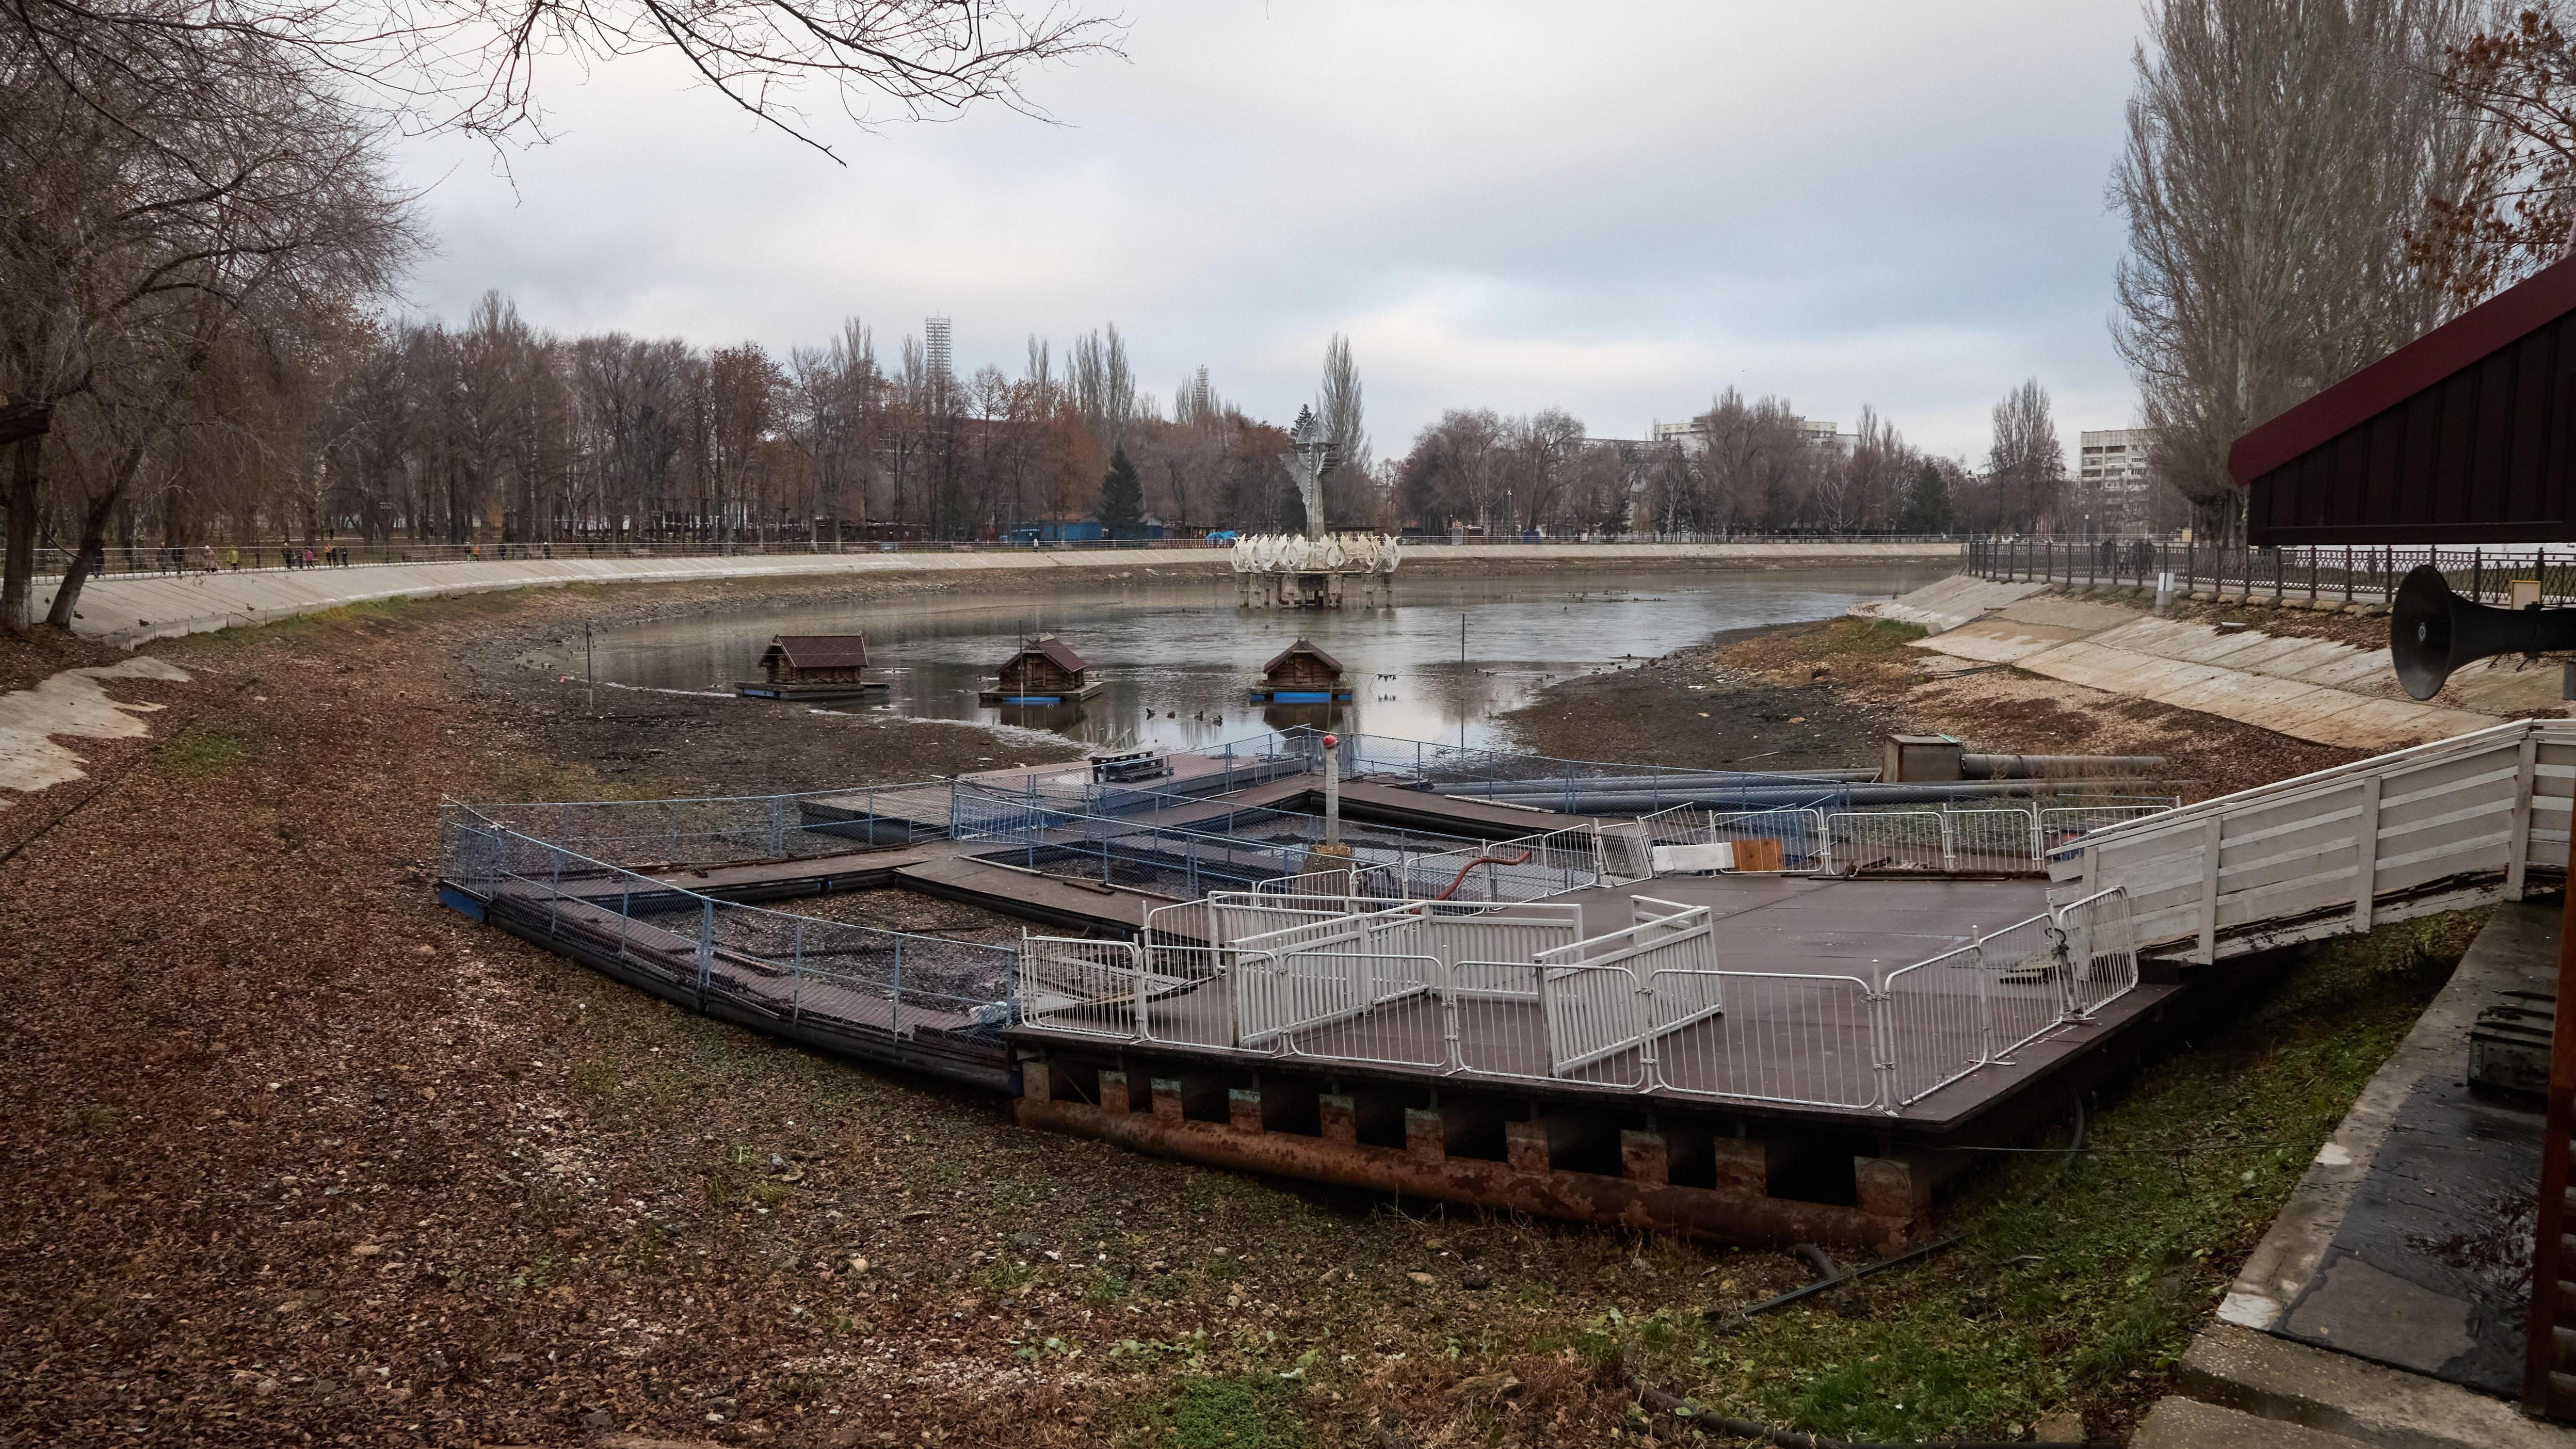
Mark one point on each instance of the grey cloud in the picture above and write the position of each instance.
(1617, 210)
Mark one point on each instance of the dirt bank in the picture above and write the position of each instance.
(1696, 708)
(1814, 695)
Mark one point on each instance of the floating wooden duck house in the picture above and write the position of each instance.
(1045, 671)
(1301, 674)
(813, 667)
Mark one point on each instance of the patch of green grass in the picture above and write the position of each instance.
(204, 751)
(1884, 638)
(1010, 1193)
(1002, 1275)
(1105, 1288)
(2079, 1280)
(593, 1077)
(1249, 1411)
(92, 1119)
(771, 1194)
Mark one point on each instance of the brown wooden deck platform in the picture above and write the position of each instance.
(1825, 923)
(1795, 1033)
(1422, 810)
(1052, 900)
(818, 875)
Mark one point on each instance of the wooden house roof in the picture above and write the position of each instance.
(1054, 651)
(1302, 646)
(2465, 435)
(819, 651)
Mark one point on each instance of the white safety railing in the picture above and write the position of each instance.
(1982, 841)
(2101, 951)
(1185, 997)
(2438, 827)
(1800, 835)
(1358, 881)
(1795, 1040)
(1381, 1008)
(1088, 988)
(1520, 994)
(1887, 840)
(1530, 868)
(1595, 1012)
(2063, 824)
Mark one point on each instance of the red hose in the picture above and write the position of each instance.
(1521, 859)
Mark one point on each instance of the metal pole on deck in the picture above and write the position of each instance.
(1332, 792)
(706, 948)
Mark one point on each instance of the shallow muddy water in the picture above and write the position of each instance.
(1177, 659)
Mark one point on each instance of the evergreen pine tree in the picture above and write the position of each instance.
(1927, 503)
(1122, 498)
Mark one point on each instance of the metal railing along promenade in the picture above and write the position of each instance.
(1518, 993)
(269, 551)
(2322, 573)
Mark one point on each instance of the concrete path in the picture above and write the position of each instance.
(74, 704)
(1950, 603)
(132, 611)
(2310, 689)
(2242, 1375)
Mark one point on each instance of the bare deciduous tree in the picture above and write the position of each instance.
(1339, 409)
(176, 189)
(2025, 466)
(2511, 209)
(472, 65)
(2278, 158)
(1104, 386)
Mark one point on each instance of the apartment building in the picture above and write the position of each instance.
(2111, 477)
(1814, 432)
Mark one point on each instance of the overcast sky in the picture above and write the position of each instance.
(1614, 209)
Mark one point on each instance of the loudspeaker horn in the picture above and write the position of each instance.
(2432, 631)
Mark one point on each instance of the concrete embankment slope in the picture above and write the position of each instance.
(132, 611)
(2269, 673)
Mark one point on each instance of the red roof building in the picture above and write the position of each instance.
(2465, 435)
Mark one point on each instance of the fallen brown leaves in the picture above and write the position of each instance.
(301, 1157)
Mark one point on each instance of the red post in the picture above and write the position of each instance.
(2549, 1291)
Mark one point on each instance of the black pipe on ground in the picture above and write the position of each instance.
(2031, 767)
(1585, 784)
(1822, 795)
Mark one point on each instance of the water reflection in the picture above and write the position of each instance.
(1178, 659)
